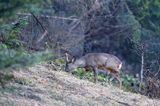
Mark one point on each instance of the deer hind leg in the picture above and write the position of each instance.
(117, 76)
(119, 79)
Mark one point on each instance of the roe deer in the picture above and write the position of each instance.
(106, 62)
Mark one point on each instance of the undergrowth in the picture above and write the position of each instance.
(130, 83)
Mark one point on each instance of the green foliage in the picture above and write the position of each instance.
(9, 8)
(9, 33)
(82, 74)
(89, 75)
(11, 57)
(130, 83)
(59, 61)
(34, 8)
(128, 80)
(147, 12)
(79, 72)
(9, 89)
(4, 78)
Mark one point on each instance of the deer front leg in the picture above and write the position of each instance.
(95, 74)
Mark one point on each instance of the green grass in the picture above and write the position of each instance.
(128, 80)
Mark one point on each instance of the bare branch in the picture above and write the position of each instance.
(46, 16)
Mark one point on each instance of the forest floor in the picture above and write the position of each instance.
(41, 85)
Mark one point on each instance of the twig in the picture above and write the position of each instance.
(38, 22)
(158, 71)
(43, 35)
(44, 29)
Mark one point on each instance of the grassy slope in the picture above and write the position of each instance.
(42, 86)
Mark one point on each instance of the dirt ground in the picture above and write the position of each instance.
(41, 85)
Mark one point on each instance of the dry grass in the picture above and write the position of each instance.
(42, 86)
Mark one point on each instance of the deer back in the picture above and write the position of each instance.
(103, 61)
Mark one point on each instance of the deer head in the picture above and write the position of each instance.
(73, 63)
(69, 61)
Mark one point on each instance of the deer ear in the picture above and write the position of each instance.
(67, 57)
(73, 60)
